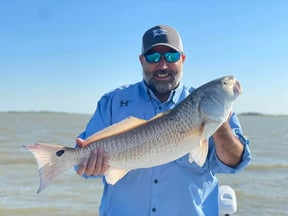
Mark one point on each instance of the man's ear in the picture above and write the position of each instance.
(141, 59)
(183, 57)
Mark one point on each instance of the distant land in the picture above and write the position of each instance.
(46, 112)
(72, 113)
(252, 114)
(259, 114)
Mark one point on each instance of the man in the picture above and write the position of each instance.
(178, 187)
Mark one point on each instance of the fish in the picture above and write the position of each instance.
(135, 143)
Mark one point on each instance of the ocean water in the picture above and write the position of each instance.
(261, 189)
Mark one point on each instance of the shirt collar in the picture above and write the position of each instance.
(174, 95)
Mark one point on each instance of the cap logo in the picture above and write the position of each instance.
(158, 32)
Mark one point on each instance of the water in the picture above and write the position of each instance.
(262, 189)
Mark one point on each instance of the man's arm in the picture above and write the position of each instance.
(228, 147)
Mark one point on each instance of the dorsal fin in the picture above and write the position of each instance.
(122, 126)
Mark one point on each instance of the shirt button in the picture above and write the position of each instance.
(153, 209)
(156, 181)
(160, 107)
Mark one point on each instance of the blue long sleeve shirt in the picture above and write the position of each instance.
(175, 188)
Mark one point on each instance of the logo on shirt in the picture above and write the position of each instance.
(158, 32)
(124, 103)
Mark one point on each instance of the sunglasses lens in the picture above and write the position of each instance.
(156, 57)
(172, 57)
(153, 57)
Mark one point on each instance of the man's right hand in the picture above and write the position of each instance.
(96, 164)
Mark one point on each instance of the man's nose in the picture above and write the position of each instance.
(163, 64)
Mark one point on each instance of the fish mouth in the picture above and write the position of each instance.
(232, 85)
(237, 88)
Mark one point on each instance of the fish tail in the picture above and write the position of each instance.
(52, 161)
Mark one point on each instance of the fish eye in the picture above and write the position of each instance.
(225, 82)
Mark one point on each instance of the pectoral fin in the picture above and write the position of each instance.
(113, 175)
(199, 153)
(199, 149)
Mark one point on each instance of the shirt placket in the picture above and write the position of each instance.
(155, 201)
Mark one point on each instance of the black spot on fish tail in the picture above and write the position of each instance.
(60, 152)
(203, 124)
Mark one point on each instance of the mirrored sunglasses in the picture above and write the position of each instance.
(155, 57)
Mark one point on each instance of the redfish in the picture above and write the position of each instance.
(136, 143)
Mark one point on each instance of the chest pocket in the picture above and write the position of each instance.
(195, 168)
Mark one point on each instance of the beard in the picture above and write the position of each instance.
(170, 80)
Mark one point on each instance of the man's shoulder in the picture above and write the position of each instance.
(125, 88)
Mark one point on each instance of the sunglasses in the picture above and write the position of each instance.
(155, 57)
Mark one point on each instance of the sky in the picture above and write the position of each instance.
(63, 55)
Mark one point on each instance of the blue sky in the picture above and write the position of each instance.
(60, 55)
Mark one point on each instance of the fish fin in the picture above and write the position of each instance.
(123, 126)
(113, 175)
(51, 162)
(159, 115)
(120, 127)
(199, 153)
(199, 149)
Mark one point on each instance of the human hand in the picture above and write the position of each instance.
(96, 164)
